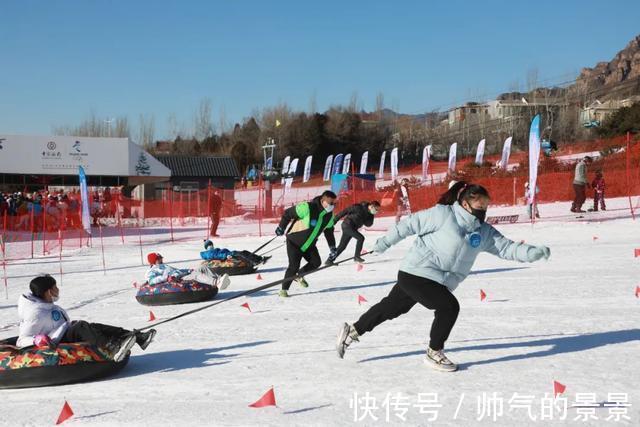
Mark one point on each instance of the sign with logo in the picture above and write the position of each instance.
(61, 155)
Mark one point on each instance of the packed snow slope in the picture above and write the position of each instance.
(573, 319)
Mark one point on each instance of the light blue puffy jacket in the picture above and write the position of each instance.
(448, 242)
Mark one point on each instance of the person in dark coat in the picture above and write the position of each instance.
(309, 220)
(215, 206)
(355, 216)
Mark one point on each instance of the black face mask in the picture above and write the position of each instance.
(481, 214)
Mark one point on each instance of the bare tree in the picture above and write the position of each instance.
(172, 126)
(146, 131)
(203, 126)
(379, 104)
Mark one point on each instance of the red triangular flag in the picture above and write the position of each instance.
(135, 285)
(152, 317)
(558, 388)
(65, 414)
(268, 399)
(359, 267)
(361, 299)
(246, 305)
(637, 291)
(258, 277)
(636, 253)
(483, 296)
(595, 238)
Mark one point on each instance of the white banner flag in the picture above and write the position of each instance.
(480, 153)
(363, 162)
(346, 163)
(382, 159)
(452, 157)
(327, 168)
(394, 164)
(506, 152)
(288, 182)
(534, 156)
(426, 154)
(285, 167)
(307, 169)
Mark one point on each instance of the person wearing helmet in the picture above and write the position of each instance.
(159, 272)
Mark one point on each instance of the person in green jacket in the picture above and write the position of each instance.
(309, 220)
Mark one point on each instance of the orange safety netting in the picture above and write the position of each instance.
(49, 226)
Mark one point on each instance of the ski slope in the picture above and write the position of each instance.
(573, 319)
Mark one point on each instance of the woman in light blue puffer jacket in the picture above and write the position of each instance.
(449, 238)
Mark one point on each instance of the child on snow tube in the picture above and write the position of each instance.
(45, 324)
(159, 273)
(223, 254)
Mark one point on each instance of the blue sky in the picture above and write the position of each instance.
(61, 60)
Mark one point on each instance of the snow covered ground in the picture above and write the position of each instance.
(573, 319)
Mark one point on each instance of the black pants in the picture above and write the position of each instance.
(94, 333)
(581, 196)
(295, 257)
(349, 232)
(404, 295)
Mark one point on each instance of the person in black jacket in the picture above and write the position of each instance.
(356, 215)
(309, 220)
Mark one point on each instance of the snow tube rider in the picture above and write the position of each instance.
(45, 324)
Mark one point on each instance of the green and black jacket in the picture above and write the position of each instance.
(310, 220)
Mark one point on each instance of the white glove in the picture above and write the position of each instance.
(537, 252)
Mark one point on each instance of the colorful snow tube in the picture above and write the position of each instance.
(66, 364)
(169, 293)
(232, 267)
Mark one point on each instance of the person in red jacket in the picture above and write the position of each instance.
(215, 207)
(598, 191)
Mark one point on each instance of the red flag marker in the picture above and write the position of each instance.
(558, 388)
(595, 238)
(135, 285)
(246, 305)
(152, 317)
(483, 296)
(65, 414)
(268, 399)
(258, 277)
(359, 267)
(361, 299)
(637, 291)
(636, 253)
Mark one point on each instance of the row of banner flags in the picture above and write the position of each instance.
(341, 163)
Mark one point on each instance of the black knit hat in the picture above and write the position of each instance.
(41, 284)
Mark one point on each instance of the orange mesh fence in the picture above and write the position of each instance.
(47, 227)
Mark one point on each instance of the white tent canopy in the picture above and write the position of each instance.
(61, 155)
